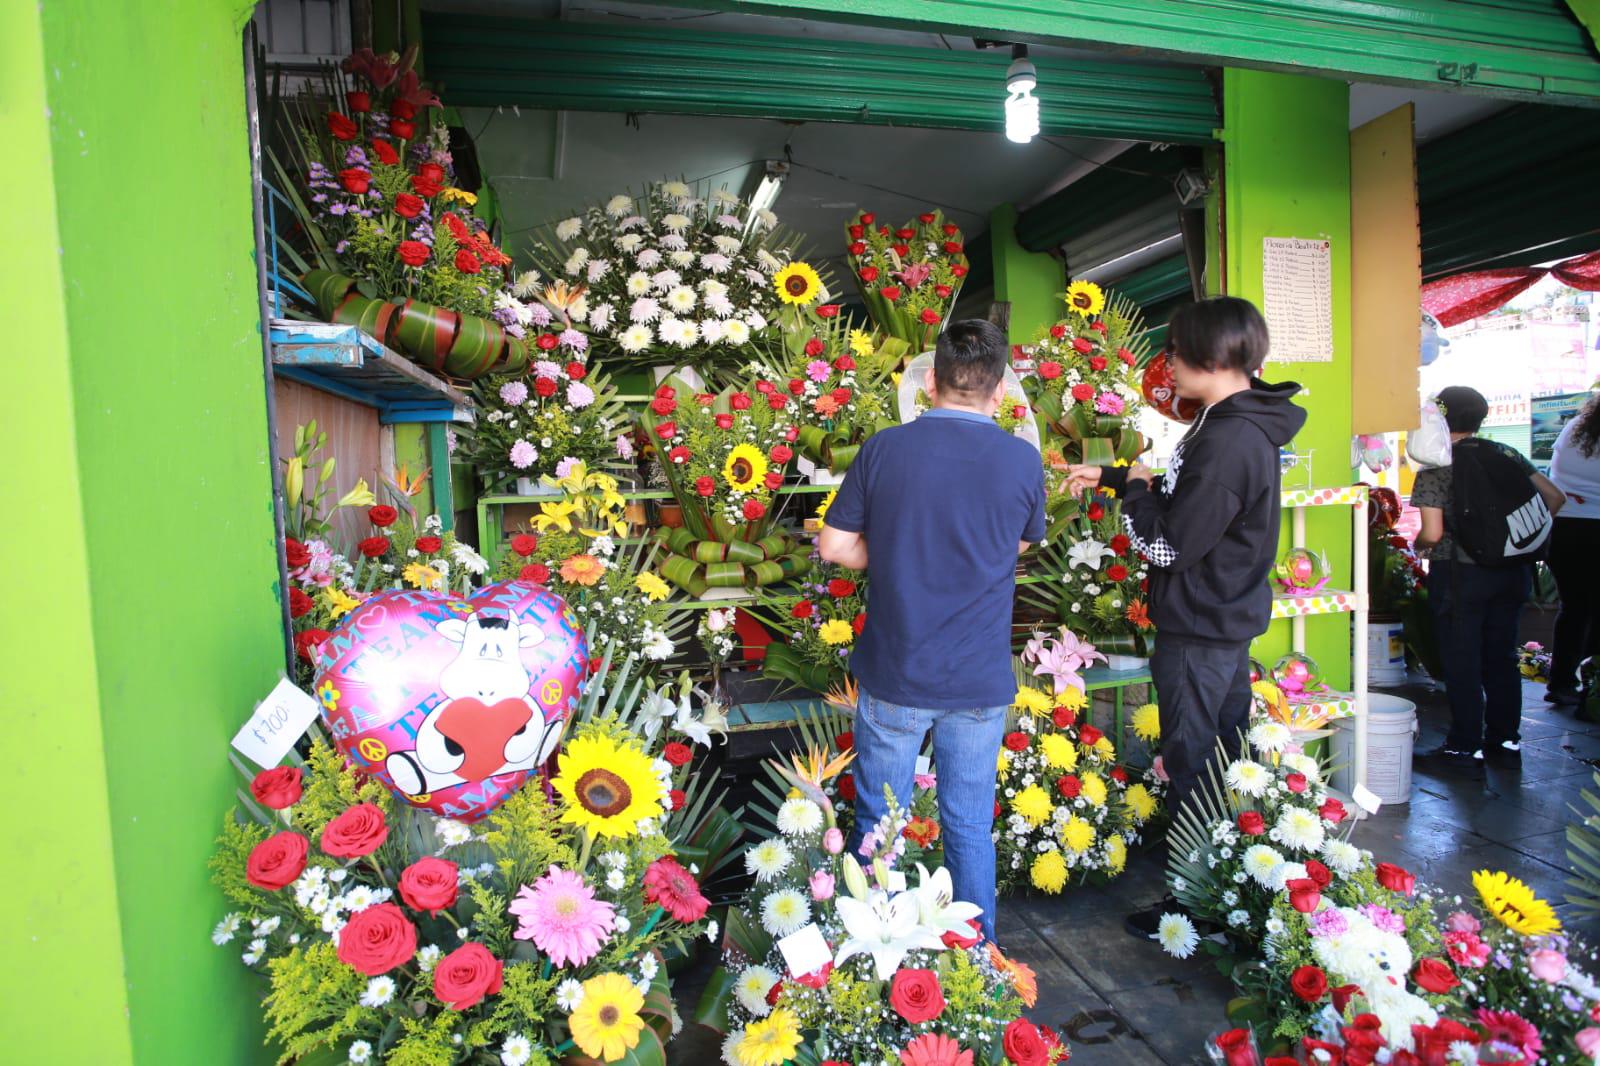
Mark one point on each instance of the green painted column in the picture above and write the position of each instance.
(1287, 173)
(145, 620)
(1031, 282)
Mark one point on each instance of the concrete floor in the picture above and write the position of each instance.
(1124, 1002)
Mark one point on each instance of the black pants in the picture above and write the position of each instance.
(1477, 610)
(1574, 547)
(1204, 694)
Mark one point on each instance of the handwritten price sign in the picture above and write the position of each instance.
(277, 722)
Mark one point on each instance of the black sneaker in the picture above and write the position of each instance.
(1448, 761)
(1505, 753)
(1563, 697)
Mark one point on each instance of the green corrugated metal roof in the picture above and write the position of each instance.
(1139, 176)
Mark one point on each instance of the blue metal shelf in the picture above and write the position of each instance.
(346, 362)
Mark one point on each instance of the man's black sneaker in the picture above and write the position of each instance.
(1448, 761)
(1506, 753)
(1563, 697)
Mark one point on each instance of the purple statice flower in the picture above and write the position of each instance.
(504, 315)
(513, 393)
(1330, 922)
(319, 198)
(522, 455)
(1385, 919)
(423, 234)
(574, 340)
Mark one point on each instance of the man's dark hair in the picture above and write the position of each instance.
(1464, 408)
(1222, 333)
(970, 358)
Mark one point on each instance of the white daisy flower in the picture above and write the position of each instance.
(751, 989)
(1270, 737)
(1247, 778)
(616, 880)
(1239, 919)
(225, 930)
(619, 205)
(380, 990)
(735, 332)
(360, 1051)
(649, 259)
(784, 911)
(359, 898)
(428, 957)
(1300, 829)
(1177, 935)
(267, 926)
(799, 815)
(516, 1051)
(1260, 861)
(648, 967)
(569, 994)
(768, 859)
(681, 299)
(730, 1047)
(711, 931)
(569, 228)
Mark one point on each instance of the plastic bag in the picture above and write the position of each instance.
(1429, 445)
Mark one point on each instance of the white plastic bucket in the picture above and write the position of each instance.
(1391, 729)
(1386, 654)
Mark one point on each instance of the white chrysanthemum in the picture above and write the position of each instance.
(1300, 829)
(715, 262)
(428, 957)
(638, 283)
(600, 317)
(681, 298)
(1260, 861)
(516, 1051)
(712, 331)
(225, 930)
(619, 205)
(359, 898)
(644, 309)
(682, 257)
(675, 222)
(756, 321)
(726, 245)
(598, 269)
(675, 189)
(649, 259)
(1341, 856)
(569, 228)
(663, 280)
(799, 815)
(735, 332)
(360, 1051)
(769, 262)
(1177, 935)
(527, 283)
(712, 287)
(380, 990)
(720, 305)
(1286, 872)
(1270, 737)
(751, 989)
(784, 911)
(1304, 764)
(630, 242)
(579, 309)
(768, 859)
(766, 219)
(679, 331)
(569, 994)
(1247, 778)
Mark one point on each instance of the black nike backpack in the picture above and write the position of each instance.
(1497, 515)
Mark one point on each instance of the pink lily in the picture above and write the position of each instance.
(1061, 657)
(914, 275)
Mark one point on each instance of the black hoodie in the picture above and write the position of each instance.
(1210, 525)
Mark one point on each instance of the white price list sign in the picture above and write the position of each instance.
(1297, 286)
(277, 722)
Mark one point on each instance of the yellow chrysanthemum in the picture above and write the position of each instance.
(1140, 802)
(607, 1024)
(340, 603)
(1049, 872)
(797, 283)
(1116, 854)
(745, 469)
(1147, 722)
(419, 576)
(1515, 904)
(1104, 748)
(468, 198)
(1058, 751)
(861, 342)
(1086, 298)
(822, 508)
(1094, 789)
(1033, 803)
(1033, 701)
(770, 1041)
(836, 631)
(1002, 762)
(1077, 834)
(1073, 699)
(652, 586)
(608, 787)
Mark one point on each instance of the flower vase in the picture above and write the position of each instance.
(670, 514)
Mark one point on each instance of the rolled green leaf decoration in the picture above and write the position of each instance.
(425, 333)
(677, 539)
(476, 347)
(725, 575)
(742, 551)
(373, 317)
(775, 545)
(767, 573)
(813, 441)
(781, 663)
(327, 288)
(707, 551)
(840, 458)
(514, 357)
(684, 573)
(1097, 451)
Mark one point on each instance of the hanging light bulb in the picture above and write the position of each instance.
(1022, 107)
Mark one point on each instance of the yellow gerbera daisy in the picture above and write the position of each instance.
(1140, 802)
(419, 576)
(1515, 904)
(340, 603)
(1094, 789)
(1116, 854)
(797, 283)
(771, 1040)
(1086, 298)
(1147, 722)
(861, 342)
(836, 631)
(1058, 751)
(745, 469)
(608, 787)
(652, 586)
(1049, 872)
(1073, 699)
(1033, 803)
(1033, 701)
(607, 1024)
(1077, 834)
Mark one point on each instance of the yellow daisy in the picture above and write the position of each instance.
(1147, 722)
(745, 469)
(652, 586)
(797, 283)
(340, 603)
(836, 631)
(1116, 854)
(1077, 834)
(1140, 802)
(1058, 751)
(608, 787)
(420, 576)
(1094, 789)
(1033, 701)
(1033, 803)
(607, 1024)
(468, 198)
(1515, 904)
(1086, 298)
(1049, 872)
(770, 1041)
(861, 342)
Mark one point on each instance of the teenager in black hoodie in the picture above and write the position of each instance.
(1209, 527)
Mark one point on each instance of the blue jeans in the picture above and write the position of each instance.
(966, 747)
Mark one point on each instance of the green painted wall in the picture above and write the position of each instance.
(1287, 173)
(1031, 282)
(147, 606)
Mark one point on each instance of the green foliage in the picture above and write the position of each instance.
(1583, 852)
(330, 790)
(525, 837)
(314, 1000)
(427, 1041)
(233, 852)
(525, 999)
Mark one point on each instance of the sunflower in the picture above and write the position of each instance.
(609, 788)
(797, 283)
(745, 469)
(836, 631)
(582, 570)
(1086, 298)
(607, 1024)
(861, 342)
(1515, 904)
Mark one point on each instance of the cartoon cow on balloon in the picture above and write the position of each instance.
(487, 725)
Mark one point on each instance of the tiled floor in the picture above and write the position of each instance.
(1122, 1001)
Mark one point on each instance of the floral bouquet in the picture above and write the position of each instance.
(674, 276)
(1533, 661)
(909, 276)
(1094, 581)
(724, 455)
(819, 620)
(828, 961)
(395, 936)
(543, 420)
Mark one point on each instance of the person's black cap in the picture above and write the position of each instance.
(1464, 408)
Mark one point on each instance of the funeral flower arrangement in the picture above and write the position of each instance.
(1094, 580)
(817, 624)
(909, 275)
(842, 379)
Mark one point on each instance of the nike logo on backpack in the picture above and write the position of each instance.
(1529, 525)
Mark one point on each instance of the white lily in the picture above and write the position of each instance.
(937, 907)
(655, 710)
(1087, 553)
(884, 927)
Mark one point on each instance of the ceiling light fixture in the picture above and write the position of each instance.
(766, 193)
(1022, 107)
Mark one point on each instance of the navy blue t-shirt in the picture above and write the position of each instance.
(942, 502)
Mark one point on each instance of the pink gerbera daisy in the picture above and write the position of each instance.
(561, 916)
(935, 1049)
(1109, 403)
(1510, 1032)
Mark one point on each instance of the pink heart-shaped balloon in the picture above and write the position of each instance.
(452, 703)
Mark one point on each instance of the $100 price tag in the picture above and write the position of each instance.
(278, 721)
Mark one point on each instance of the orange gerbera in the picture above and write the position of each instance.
(1139, 614)
(1023, 979)
(582, 570)
(825, 406)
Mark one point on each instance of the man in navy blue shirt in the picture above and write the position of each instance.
(947, 503)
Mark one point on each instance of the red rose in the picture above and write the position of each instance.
(355, 180)
(679, 455)
(1304, 894)
(841, 396)
(943, 291)
(1049, 370)
(1069, 786)
(1395, 878)
(1333, 811)
(951, 229)
(1309, 983)
(868, 218)
(803, 609)
(902, 250)
(1018, 411)
(1017, 741)
(525, 544)
(1296, 782)
(1083, 345)
(462, 978)
(916, 996)
(856, 232)
(781, 453)
(385, 153)
(666, 430)
(382, 515)
(404, 109)
(429, 884)
(1063, 717)
(1119, 775)
(430, 171)
(377, 939)
(278, 788)
(546, 342)
(705, 486)
(754, 510)
(955, 940)
(814, 347)
(1125, 355)
(1089, 736)
(341, 127)
(1097, 362)
(1083, 393)
(739, 401)
(1251, 824)
(544, 386)
(953, 247)
(677, 798)
(538, 573)
(1319, 873)
(1343, 995)
(926, 217)
(1117, 572)
(773, 480)
(929, 316)
(373, 547)
(413, 253)
(1099, 327)
(577, 371)
(857, 248)
(847, 787)
(359, 830)
(841, 587)
(791, 434)
(845, 741)
(1023, 1045)
(307, 641)
(429, 545)
(663, 406)
(1058, 331)
(859, 623)
(869, 273)
(358, 102)
(959, 271)
(777, 401)
(403, 129)
(764, 388)
(1120, 544)
(1435, 976)
(890, 292)
(724, 421)
(408, 206)
(677, 754)
(295, 553)
(1237, 1048)
(1096, 512)
(425, 188)
(277, 861)
(467, 263)
(300, 604)
(774, 992)
(827, 310)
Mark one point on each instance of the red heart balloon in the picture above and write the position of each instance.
(1161, 392)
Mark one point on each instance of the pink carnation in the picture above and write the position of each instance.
(563, 919)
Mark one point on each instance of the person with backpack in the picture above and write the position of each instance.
(1485, 518)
